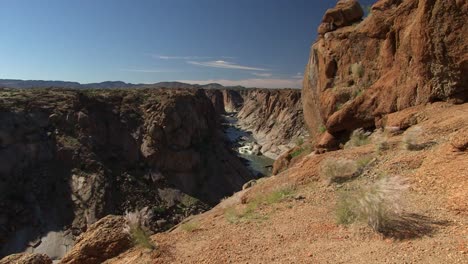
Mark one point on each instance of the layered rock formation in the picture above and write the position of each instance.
(405, 53)
(69, 158)
(274, 117)
(232, 100)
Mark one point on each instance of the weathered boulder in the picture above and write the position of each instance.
(345, 13)
(405, 53)
(103, 240)
(26, 258)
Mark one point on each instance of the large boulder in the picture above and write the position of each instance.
(104, 240)
(405, 53)
(26, 258)
(345, 13)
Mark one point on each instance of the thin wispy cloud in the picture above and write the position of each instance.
(254, 82)
(298, 75)
(164, 57)
(261, 74)
(225, 65)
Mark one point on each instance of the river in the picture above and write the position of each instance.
(260, 165)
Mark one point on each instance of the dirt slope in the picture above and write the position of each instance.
(301, 228)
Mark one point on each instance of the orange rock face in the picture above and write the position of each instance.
(405, 53)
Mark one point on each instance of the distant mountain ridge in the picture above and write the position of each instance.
(25, 84)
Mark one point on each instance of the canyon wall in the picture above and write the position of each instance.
(68, 158)
(274, 116)
(404, 53)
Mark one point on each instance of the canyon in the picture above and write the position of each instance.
(70, 157)
(386, 90)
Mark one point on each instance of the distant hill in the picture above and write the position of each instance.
(12, 83)
(25, 84)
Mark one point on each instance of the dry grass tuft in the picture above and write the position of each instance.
(338, 170)
(359, 137)
(412, 139)
(378, 204)
(136, 227)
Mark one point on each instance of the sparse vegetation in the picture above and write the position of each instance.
(338, 170)
(359, 137)
(189, 201)
(190, 226)
(338, 106)
(302, 150)
(299, 141)
(380, 139)
(412, 138)
(357, 70)
(363, 161)
(136, 227)
(279, 195)
(378, 204)
(249, 213)
(322, 129)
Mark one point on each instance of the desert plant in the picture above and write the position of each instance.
(136, 227)
(189, 201)
(190, 226)
(299, 141)
(234, 216)
(300, 151)
(279, 195)
(359, 137)
(412, 138)
(322, 129)
(380, 140)
(378, 204)
(357, 70)
(338, 169)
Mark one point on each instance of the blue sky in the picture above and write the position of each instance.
(263, 43)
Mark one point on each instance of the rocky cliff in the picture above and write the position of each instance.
(404, 53)
(68, 158)
(274, 117)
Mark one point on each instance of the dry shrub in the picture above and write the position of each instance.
(412, 139)
(136, 227)
(359, 137)
(378, 204)
(380, 139)
(338, 170)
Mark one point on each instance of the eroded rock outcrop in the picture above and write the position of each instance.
(405, 53)
(68, 158)
(103, 240)
(232, 100)
(274, 117)
(26, 258)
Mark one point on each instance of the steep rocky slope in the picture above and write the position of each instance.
(405, 53)
(389, 72)
(291, 217)
(274, 117)
(68, 158)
